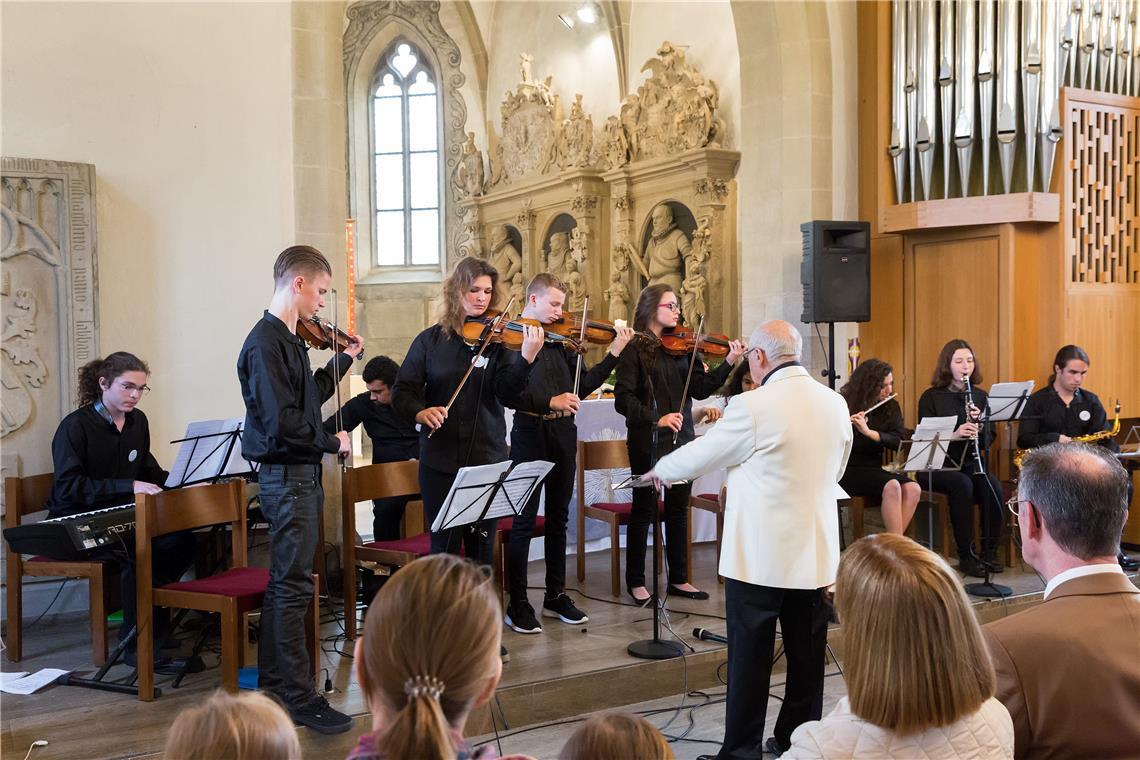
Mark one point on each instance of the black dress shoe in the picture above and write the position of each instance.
(772, 746)
(674, 591)
(639, 602)
(970, 566)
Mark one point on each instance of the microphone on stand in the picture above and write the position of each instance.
(706, 635)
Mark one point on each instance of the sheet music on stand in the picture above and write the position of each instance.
(1011, 398)
(489, 491)
(929, 444)
(210, 450)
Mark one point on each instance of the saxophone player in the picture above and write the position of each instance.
(1064, 411)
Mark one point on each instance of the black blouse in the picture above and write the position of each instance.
(1046, 417)
(887, 421)
(944, 402)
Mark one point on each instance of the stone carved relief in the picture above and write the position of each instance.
(576, 141)
(367, 18)
(558, 258)
(504, 256)
(48, 302)
(674, 110)
(617, 294)
(575, 275)
(469, 173)
(471, 234)
(711, 187)
(531, 115)
(695, 286)
(666, 249)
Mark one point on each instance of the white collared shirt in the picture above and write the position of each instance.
(1080, 572)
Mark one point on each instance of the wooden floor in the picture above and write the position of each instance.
(564, 671)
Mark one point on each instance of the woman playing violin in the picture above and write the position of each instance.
(473, 431)
(648, 393)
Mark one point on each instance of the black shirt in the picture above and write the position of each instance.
(1046, 417)
(887, 421)
(393, 439)
(553, 374)
(96, 464)
(646, 374)
(283, 396)
(944, 402)
(475, 431)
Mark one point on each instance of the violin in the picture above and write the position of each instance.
(510, 332)
(322, 334)
(679, 341)
(598, 331)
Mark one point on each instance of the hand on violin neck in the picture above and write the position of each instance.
(565, 402)
(736, 349)
(622, 337)
(533, 338)
(355, 346)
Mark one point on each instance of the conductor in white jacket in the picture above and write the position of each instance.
(785, 446)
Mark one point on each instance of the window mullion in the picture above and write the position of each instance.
(405, 115)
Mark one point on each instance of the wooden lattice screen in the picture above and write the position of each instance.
(1101, 187)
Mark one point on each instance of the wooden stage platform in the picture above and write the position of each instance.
(564, 671)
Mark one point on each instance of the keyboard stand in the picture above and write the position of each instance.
(97, 682)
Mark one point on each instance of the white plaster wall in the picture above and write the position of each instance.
(185, 110)
(581, 60)
(708, 32)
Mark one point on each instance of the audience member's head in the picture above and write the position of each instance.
(248, 726)
(772, 344)
(428, 655)
(616, 736)
(1072, 504)
(915, 653)
(740, 381)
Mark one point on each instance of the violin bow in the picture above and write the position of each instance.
(689, 376)
(484, 341)
(581, 342)
(339, 414)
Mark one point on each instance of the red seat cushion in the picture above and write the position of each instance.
(247, 584)
(709, 496)
(621, 508)
(505, 524)
(419, 545)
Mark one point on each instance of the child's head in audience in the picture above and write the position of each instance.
(916, 657)
(248, 726)
(616, 736)
(428, 655)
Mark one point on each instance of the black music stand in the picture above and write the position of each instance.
(210, 451)
(488, 492)
(926, 455)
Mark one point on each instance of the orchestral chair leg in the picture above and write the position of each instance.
(97, 602)
(231, 628)
(15, 605)
(144, 649)
(615, 558)
(689, 546)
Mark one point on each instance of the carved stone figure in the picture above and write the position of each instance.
(525, 59)
(666, 251)
(558, 257)
(578, 248)
(469, 172)
(694, 288)
(517, 291)
(576, 295)
(577, 138)
(615, 146)
(505, 258)
(618, 296)
(530, 127)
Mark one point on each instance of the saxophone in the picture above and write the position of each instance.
(1019, 455)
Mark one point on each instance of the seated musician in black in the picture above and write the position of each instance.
(1064, 410)
(393, 438)
(101, 455)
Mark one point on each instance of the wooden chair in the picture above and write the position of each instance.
(230, 593)
(502, 536)
(709, 502)
(855, 506)
(376, 481)
(603, 455)
(22, 496)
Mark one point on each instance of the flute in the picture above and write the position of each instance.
(876, 406)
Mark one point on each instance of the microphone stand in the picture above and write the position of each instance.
(655, 648)
(987, 588)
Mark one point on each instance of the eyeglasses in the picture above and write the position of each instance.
(132, 388)
(669, 306)
(1014, 504)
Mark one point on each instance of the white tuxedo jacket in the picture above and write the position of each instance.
(785, 446)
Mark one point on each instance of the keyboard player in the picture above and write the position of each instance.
(101, 455)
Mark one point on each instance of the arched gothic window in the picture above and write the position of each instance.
(405, 171)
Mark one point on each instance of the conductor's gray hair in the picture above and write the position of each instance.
(778, 339)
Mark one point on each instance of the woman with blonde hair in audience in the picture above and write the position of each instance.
(616, 736)
(429, 655)
(248, 726)
(919, 678)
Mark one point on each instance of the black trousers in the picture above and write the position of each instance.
(644, 511)
(386, 517)
(554, 441)
(752, 612)
(170, 556)
(474, 541)
(964, 490)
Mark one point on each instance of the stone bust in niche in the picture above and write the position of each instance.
(505, 258)
(558, 261)
(666, 250)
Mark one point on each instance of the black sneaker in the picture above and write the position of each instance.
(520, 617)
(562, 608)
(319, 716)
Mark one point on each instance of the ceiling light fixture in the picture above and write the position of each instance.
(587, 13)
(567, 20)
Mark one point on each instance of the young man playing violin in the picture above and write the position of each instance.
(283, 433)
(544, 429)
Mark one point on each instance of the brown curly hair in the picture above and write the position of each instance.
(106, 369)
(862, 388)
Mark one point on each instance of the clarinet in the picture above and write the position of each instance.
(970, 405)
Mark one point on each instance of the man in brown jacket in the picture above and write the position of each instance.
(1068, 669)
